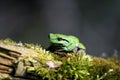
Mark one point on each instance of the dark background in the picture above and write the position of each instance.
(95, 22)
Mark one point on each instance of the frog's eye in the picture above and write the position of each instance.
(61, 39)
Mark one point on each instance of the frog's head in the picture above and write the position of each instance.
(58, 39)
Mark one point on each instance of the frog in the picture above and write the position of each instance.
(65, 43)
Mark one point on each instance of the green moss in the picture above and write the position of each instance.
(8, 41)
(72, 67)
(79, 67)
(105, 69)
(75, 67)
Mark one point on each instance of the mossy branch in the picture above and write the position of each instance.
(30, 61)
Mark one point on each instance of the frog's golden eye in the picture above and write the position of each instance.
(61, 39)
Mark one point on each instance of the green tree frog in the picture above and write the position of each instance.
(65, 43)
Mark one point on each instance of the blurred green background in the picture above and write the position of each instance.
(95, 22)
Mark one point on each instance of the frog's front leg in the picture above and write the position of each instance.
(79, 50)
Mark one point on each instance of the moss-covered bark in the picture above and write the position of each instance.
(28, 61)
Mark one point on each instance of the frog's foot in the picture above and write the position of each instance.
(79, 50)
